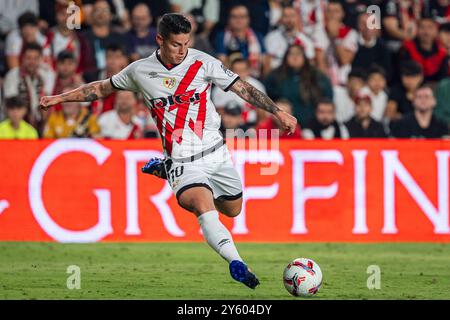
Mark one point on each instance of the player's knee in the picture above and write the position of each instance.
(197, 205)
(234, 212)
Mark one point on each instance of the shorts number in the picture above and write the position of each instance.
(175, 173)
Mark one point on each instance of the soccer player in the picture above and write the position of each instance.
(176, 84)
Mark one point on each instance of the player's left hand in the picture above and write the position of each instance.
(287, 121)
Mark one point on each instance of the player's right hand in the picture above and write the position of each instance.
(47, 101)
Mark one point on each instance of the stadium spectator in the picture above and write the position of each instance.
(199, 42)
(376, 84)
(17, 39)
(324, 124)
(61, 38)
(30, 81)
(222, 98)
(444, 37)
(439, 10)
(239, 37)
(100, 36)
(399, 22)
(299, 82)
(15, 127)
(265, 127)
(336, 45)
(121, 123)
(442, 92)
(157, 8)
(11, 10)
(421, 123)
(141, 39)
(116, 60)
(73, 121)
(47, 13)
(312, 15)
(401, 95)
(354, 8)
(362, 124)
(259, 14)
(288, 32)
(344, 97)
(205, 13)
(145, 120)
(66, 75)
(371, 48)
(232, 124)
(426, 50)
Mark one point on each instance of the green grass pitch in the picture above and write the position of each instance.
(194, 271)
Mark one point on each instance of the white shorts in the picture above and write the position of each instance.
(214, 171)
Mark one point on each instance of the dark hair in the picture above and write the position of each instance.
(15, 102)
(114, 47)
(425, 86)
(32, 46)
(427, 18)
(309, 88)
(173, 23)
(237, 5)
(325, 100)
(411, 68)
(27, 18)
(376, 69)
(357, 73)
(65, 55)
(445, 27)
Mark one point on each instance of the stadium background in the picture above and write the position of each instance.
(346, 185)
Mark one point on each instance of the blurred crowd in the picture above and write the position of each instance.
(343, 68)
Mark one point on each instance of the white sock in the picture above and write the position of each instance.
(217, 236)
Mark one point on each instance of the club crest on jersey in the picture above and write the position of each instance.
(169, 82)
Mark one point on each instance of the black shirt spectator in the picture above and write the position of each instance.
(324, 124)
(362, 125)
(371, 49)
(402, 93)
(408, 127)
(421, 123)
(398, 94)
(353, 9)
(356, 129)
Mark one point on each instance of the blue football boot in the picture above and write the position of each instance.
(155, 166)
(240, 272)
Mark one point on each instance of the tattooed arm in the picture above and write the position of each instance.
(85, 93)
(258, 99)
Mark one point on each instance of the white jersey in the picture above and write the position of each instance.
(179, 98)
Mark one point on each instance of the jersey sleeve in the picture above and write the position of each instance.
(124, 80)
(220, 75)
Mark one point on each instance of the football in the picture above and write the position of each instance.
(302, 277)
